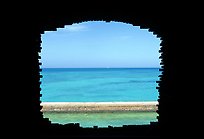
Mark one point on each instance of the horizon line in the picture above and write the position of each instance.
(93, 67)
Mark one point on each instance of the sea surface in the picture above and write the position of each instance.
(99, 84)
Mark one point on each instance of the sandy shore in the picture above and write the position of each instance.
(98, 106)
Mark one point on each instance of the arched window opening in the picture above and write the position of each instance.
(100, 73)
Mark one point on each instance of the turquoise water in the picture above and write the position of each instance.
(99, 84)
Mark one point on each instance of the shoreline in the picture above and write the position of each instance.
(146, 106)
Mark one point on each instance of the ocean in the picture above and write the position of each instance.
(99, 84)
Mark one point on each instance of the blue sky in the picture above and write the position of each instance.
(100, 44)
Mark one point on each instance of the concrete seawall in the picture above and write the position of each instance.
(98, 106)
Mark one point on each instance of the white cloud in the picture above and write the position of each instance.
(75, 28)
